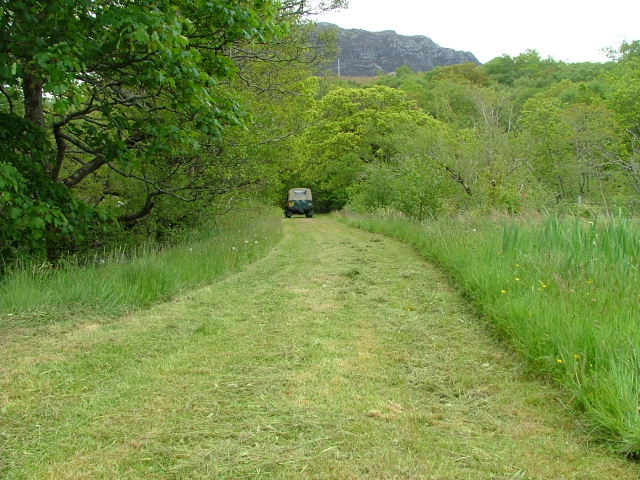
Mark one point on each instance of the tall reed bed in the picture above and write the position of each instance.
(111, 283)
(565, 292)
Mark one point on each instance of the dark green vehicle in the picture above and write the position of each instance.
(299, 201)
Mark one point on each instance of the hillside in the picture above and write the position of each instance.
(364, 54)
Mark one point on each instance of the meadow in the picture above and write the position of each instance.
(339, 355)
(563, 291)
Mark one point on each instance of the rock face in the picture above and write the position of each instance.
(365, 54)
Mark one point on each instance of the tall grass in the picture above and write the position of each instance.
(564, 291)
(115, 282)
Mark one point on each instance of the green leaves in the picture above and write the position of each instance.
(140, 35)
(38, 215)
(24, 214)
(352, 129)
(137, 96)
(623, 94)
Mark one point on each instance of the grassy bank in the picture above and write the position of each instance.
(565, 292)
(112, 283)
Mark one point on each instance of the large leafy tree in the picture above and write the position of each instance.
(350, 129)
(126, 97)
(573, 149)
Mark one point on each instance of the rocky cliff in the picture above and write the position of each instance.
(365, 54)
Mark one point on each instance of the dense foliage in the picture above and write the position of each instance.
(514, 134)
(113, 111)
(128, 120)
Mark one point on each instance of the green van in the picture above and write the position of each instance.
(299, 201)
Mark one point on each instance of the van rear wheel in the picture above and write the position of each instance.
(309, 213)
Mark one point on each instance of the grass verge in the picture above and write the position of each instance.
(117, 282)
(565, 292)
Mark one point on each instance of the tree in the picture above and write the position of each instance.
(33, 207)
(350, 129)
(133, 98)
(623, 94)
(465, 72)
(571, 147)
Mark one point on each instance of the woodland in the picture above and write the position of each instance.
(131, 122)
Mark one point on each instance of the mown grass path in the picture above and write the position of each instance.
(340, 355)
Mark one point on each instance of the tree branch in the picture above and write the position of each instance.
(458, 178)
(149, 202)
(144, 211)
(80, 113)
(86, 170)
(60, 153)
(79, 143)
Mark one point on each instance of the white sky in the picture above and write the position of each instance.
(569, 30)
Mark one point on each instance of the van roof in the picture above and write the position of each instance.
(300, 193)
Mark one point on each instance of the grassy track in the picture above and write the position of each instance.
(340, 355)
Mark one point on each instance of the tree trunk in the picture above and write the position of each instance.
(32, 87)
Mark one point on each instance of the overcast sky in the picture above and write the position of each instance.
(569, 30)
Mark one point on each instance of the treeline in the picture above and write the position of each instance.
(120, 122)
(513, 134)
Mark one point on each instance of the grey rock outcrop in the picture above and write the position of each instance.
(365, 54)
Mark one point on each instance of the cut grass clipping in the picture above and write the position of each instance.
(565, 292)
(116, 282)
